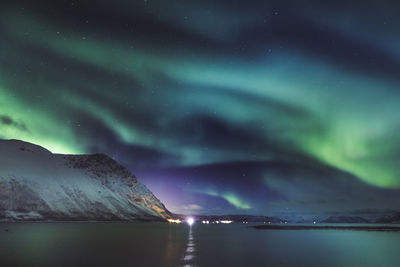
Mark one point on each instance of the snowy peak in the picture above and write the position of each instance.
(38, 185)
(14, 145)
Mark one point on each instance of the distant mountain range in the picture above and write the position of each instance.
(393, 218)
(237, 218)
(345, 219)
(390, 218)
(36, 185)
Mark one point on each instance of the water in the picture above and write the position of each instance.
(161, 244)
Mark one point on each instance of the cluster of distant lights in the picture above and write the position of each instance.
(217, 222)
(190, 221)
(174, 221)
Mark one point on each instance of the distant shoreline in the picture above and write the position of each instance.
(328, 227)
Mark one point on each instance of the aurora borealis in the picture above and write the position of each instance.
(218, 106)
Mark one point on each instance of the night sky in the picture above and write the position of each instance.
(217, 106)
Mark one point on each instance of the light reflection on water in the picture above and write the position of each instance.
(189, 254)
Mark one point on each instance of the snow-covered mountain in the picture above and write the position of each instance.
(38, 185)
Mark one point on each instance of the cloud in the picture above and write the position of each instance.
(189, 208)
(8, 121)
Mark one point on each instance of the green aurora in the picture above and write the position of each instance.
(60, 80)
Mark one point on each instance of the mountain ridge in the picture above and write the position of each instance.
(38, 185)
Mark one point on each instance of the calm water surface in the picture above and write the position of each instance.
(161, 244)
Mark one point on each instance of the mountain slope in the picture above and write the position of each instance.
(38, 185)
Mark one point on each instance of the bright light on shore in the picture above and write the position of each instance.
(190, 221)
(174, 221)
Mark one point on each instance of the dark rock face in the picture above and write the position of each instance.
(37, 185)
(100, 166)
